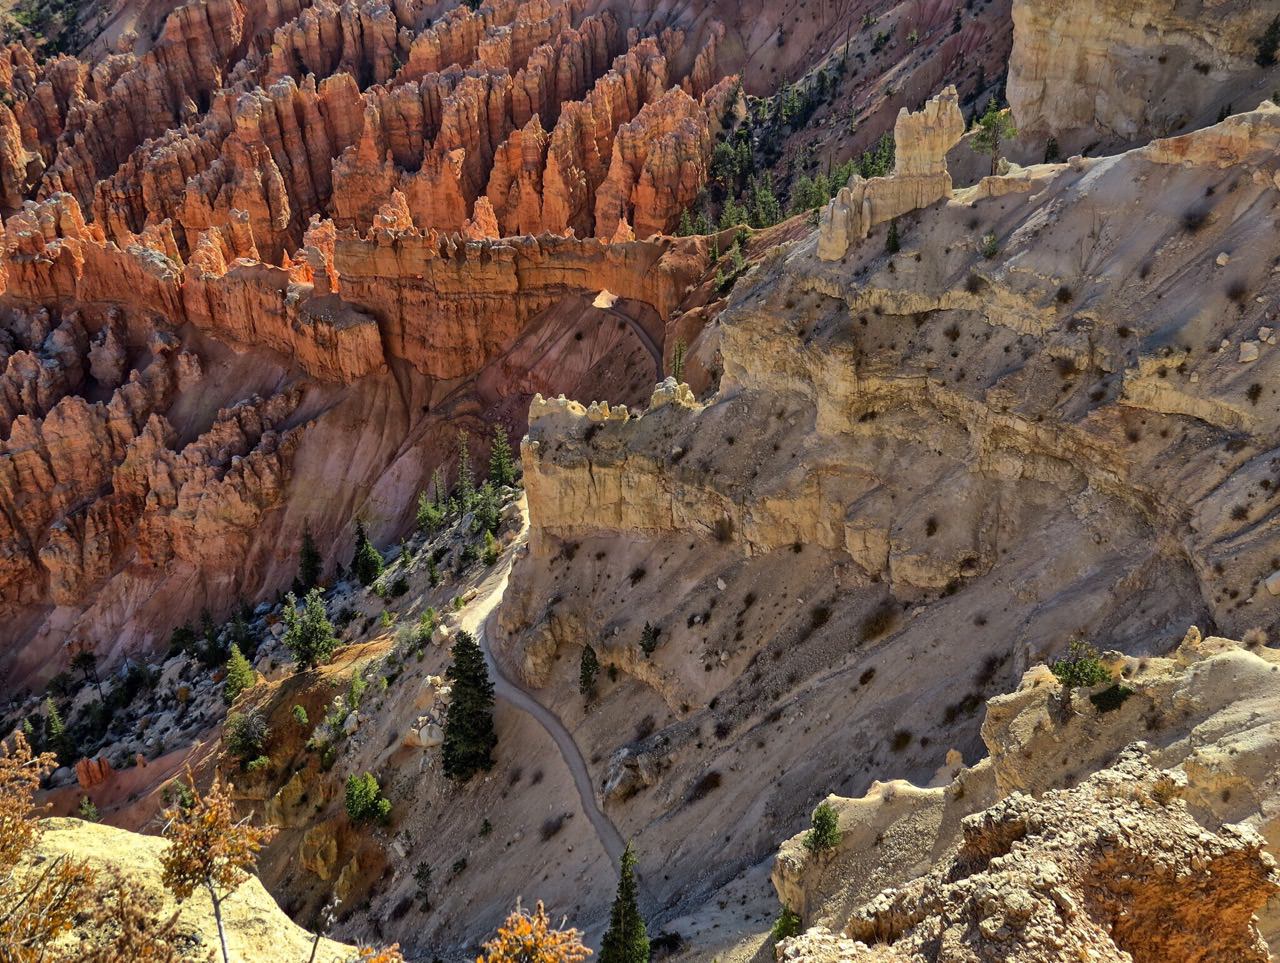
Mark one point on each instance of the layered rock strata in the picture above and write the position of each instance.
(851, 525)
(1091, 73)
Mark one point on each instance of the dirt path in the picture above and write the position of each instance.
(478, 619)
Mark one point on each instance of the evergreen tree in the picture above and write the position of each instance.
(466, 480)
(240, 675)
(765, 211)
(733, 215)
(430, 514)
(878, 162)
(502, 465)
(891, 242)
(491, 548)
(1267, 45)
(309, 637)
(240, 634)
(677, 360)
(486, 507)
(86, 663)
(587, 670)
(626, 940)
(367, 564)
(56, 736)
(469, 736)
(310, 563)
(993, 127)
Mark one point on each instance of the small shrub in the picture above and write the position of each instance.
(1064, 295)
(723, 529)
(704, 786)
(258, 764)
(824, 832)
(786, 926)
(88, 811)
(989, 246)
(399, 586)
(1165, 790)
(588, 668)
(649, 637)
(879, 622)
(1193, 219)
(551, 827)
(364, 800)
(1110, 698)
(356, 689)
(901, 740)
(245, 733)
(1080, 668)
(300, 716)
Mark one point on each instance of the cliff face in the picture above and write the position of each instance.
(156, 429)
(839, 552)
(1081, 870)
(278, 221)
(1087, 72)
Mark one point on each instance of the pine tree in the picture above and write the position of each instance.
(367, 564)
(308, 636)
(466, 480)
(993, 127)
(677, 360)
(891, 242)
(56, 736)
(626, 940)
(469, 736)
(310, 563)
(487, 515)
(763, 203)
(439, 490)
(240, 675)
(491, 548)
(86, 663)
(502, 466)
(430, 514)
(587, 670)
